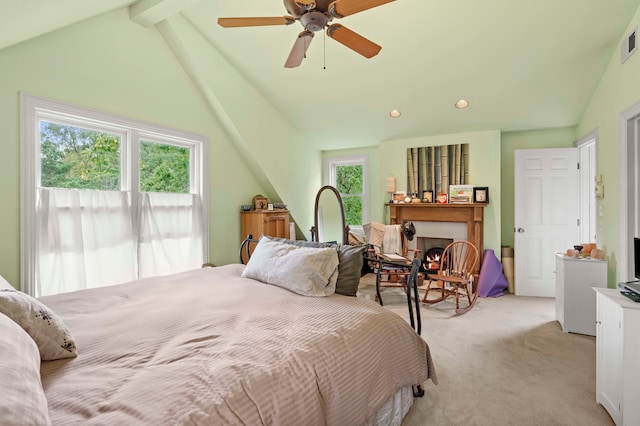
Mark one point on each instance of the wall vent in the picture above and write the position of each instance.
(629, 45)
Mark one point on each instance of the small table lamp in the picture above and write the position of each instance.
(391, 187)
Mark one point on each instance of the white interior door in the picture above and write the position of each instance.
(546, 215)
(587, 154)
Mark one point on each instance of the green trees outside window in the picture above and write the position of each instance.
(77, 158)
(71, 157)
(350, 184)
(163, 168)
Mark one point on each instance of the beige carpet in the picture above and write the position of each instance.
(505, 362)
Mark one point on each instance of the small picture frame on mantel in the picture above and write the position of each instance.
(460, 194)
(481, 194)
(443, 198)
(260, 202)
(427, 196)
(398, 197)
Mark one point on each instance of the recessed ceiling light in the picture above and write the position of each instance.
(395, 113)
(462, 104)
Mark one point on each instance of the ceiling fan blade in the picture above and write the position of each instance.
(255, 22)
(299, 49)
(353, 41)
(342, 8)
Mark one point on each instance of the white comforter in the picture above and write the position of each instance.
(209, 347)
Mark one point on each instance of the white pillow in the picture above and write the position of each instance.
(5, 284)
(52, 336)
(308, 271)
(23, 401)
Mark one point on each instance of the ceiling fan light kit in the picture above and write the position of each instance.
(314, 21)
(315, 15)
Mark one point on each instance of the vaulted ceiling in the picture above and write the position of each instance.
(521, 65)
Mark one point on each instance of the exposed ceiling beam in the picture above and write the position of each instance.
(150, 12)
(171, 36)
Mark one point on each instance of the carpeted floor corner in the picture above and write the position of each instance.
(505, 362)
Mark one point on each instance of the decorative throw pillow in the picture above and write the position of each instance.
(45, 327)
(307, 271)
(23, 401)
(349, 269)
(5, 284)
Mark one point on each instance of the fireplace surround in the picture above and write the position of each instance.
(470, 214)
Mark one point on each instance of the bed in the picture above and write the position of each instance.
(210, 346)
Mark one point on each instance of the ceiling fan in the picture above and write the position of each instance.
(315, 15)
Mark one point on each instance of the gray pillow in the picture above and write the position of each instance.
(303, 243)
(349, 269)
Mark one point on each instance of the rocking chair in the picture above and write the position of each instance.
(454, 277)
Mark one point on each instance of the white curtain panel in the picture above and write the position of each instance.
(85, 240)
(170, 233)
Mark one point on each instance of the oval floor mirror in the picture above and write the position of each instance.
(329, 224)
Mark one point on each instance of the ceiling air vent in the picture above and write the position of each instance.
(629, 45)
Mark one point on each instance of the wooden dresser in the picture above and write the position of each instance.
(273, 223)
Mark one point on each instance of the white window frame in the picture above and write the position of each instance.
(360, 160)
(34, 108)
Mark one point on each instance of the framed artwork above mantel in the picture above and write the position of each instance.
(437, 169)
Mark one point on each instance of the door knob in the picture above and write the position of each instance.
(520, 230)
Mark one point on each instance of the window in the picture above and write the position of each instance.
(164, 168)
(106, 199)
(349, 177)
(73, 157)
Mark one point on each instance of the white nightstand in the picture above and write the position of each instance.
(575, 299)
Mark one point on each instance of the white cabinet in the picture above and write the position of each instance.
(575, 299)
(617, 355)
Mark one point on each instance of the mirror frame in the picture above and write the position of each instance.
(314, 229)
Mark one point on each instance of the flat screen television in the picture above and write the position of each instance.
(636, 256)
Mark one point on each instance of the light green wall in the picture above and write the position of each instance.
(619, 89)
(116, 66)
(533, 139)
(390, 157)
